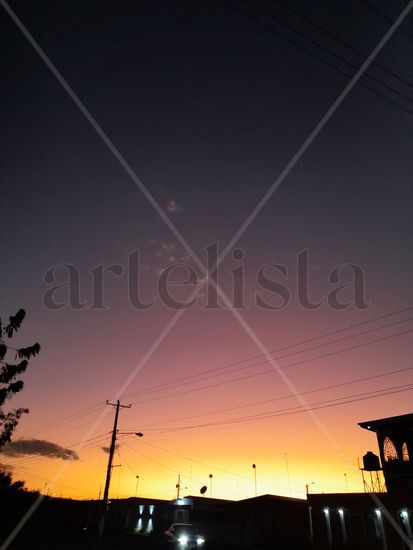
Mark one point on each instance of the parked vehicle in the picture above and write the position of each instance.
(183, 536)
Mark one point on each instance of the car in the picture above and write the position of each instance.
(183, 536)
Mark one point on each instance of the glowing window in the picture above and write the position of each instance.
(389, 450)
(405, 453)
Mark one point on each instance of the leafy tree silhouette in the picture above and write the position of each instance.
(9, 372)
(7, 484)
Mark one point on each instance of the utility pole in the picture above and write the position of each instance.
(307, 485)
(117, 406)
(288, 474)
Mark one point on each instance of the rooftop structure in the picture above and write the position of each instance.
(395, 441)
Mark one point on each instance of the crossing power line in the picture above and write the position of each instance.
(273, 399)
(322, 60)
(271, 370)
(176, 382)
(295, 410)
(171, 383)
(335, 38)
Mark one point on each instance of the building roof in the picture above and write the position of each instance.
(197, 498)
(404, 420)
(268, 497)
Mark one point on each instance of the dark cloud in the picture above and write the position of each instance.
(38, 447)
(107, 449)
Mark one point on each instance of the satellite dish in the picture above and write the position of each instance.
(203, 490)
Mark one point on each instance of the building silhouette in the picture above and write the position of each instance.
(376, 519)
(395, 441)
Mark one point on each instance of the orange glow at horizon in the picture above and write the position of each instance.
(227, 451)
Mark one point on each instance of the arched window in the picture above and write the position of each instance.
(405, 452)
(389, 450)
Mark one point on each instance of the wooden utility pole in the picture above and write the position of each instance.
(117, 406)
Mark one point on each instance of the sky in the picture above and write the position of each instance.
(207, 102)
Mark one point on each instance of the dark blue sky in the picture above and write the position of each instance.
(207, 106)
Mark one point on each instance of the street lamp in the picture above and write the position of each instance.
(210, 484)
(307, 485)
(137, 485)
(254, 467)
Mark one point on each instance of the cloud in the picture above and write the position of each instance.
(166, 254)
(172, 207)
(107, 449)
(40, 447)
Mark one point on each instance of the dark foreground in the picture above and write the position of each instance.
(50, 540)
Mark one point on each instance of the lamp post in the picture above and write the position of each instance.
(254, 467)
(307, 485)
(288, 473)
(210, 484)
(137, 485)
(178, 487)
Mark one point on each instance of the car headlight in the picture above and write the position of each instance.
(183, 540)
(200, 541)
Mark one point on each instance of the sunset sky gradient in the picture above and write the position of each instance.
(207, 106)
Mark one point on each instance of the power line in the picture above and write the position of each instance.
(84, 412)
(157, 462)
(318, 58)
(152, 459)
(160, 463)
(266, 371)
(26, 461)
(140, 477)
(271, 371)
(341, 41)
(210, 466)
(279, 357)
(63, 420)
(81, 491)
(295, 410)
(382, 15)
(201, 482)
(325, 49)
(263, 402)
(72, 429)
(150, 389)
(45, 455)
